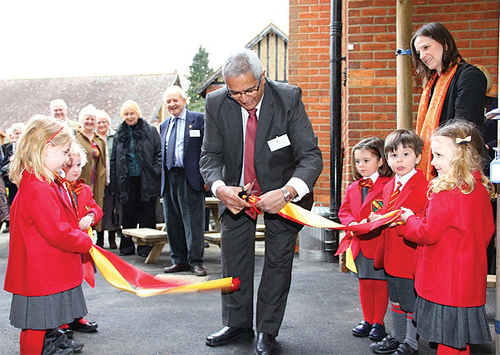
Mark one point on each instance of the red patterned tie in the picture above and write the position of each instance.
(250, 175)
(365, 183)
(394, 196)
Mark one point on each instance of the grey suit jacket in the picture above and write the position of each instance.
(282, 113)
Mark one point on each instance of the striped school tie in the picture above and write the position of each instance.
(394, 196)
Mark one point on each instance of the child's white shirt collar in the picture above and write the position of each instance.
(374, 176)
(404, 179)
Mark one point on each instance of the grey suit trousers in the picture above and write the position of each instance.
(238, 259)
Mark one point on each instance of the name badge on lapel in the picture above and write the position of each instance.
(194, 133)
(278, 142)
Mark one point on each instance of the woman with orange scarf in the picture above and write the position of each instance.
(453, 88)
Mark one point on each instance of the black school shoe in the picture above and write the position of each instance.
(362, 329)
(388, 345)
(406, 349)
(67, 331)
(88, 327)
(49, 348)
(63, 342)
(377, 332)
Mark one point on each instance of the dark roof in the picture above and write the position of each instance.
(22, 98)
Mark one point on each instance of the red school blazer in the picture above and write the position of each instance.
(87, 204)
(352, 210)
(453, 236)
(395, 254)
(45, 241)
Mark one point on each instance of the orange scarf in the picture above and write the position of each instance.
(429, 115)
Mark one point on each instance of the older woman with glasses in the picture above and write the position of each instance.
(111, 206)
(135, 172)
(94, 172)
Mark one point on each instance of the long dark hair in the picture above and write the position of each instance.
(375, 146)
(440, 34)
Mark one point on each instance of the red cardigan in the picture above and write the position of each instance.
(45, 241)
(352, 210)
(453, 236)
(394, 254)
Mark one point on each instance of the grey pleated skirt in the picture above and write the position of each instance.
(366, 268)
(451, 326)
(47, 312)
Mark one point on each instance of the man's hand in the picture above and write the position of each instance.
(228, 195)
(273, 201)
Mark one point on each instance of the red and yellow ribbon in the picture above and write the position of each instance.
(305, 217)
(126, 277)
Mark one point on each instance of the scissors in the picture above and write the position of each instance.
(244, 194)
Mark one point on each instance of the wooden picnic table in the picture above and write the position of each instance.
(148, 236)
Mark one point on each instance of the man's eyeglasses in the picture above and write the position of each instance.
(248, 92)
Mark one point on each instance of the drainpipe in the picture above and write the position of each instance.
(404, 90)
(332, 236)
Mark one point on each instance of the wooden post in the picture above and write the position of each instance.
(403, 65)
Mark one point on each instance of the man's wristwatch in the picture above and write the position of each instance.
(286, 194)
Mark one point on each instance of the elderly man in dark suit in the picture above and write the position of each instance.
(182, 187)
(259, 137)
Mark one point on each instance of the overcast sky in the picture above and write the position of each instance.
(61, 38)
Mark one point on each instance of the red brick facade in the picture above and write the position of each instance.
(369, 96)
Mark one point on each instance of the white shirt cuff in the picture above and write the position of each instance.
(215, 185)
(300, 186)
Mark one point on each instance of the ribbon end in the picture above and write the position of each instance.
(235, 284)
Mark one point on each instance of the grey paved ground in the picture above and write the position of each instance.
(322, 308)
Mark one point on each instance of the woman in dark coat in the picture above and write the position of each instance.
(135, 173)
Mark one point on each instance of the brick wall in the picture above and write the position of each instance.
(309, 68)
(369, 96)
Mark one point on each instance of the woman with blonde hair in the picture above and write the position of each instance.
(135, 172)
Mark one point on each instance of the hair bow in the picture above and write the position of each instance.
(463, 141)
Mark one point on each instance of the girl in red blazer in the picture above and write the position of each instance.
(44, 265)
(371, 172)
(88, 213)
(453, 236)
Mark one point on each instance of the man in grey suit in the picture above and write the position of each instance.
(278, 138)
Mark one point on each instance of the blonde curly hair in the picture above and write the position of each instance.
(468, 159)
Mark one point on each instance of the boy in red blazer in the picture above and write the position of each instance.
(403, 150)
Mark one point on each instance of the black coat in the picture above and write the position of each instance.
(465, 96)
(148, 153)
